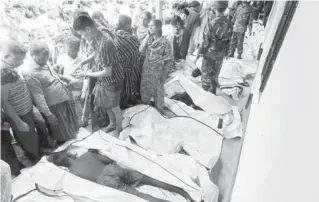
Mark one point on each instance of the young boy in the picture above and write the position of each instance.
(108, 71)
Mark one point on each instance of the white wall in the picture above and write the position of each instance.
(280, 156)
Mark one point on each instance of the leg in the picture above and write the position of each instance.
(8, 154)
(118, 120)
(150, 181)
(28, 140)
(206, 74)
(240, 45)
(233, 45)
(146, 95)
(216, 70)
(42, 130)
(112, 118)
(159, 98)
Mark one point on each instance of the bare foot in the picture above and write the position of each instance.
(109, 128)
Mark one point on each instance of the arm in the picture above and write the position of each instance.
(35, 88)
(150, 181)
(88, 60)
(106, 56)
(206, 40)
(119, 185)
(167, 61)
(104, 159)
(143, 45)
(107, 72)
(7, 106)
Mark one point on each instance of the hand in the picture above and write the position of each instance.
(94, 151)
(80, 75)
(52, 120)
(23, 127)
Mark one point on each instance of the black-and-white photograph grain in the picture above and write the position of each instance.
(159, 101)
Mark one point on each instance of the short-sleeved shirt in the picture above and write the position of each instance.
(107, 57)
(19, 96)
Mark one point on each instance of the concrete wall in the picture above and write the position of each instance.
(280, 156)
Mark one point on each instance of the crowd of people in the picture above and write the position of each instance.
(52, 75)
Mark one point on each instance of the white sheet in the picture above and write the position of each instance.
(54, 178)
(232, 126)
(154, 132)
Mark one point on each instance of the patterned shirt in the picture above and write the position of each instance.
(216, 36)
(242, 17)
(107, 57)
(19, 96)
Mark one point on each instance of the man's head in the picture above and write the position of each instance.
(64, 29)
(156, 27)
(13, 53)
(86, 27)
(40, 52)
(182, 12)
(195, 5)
(98, 16)
(59, 43)
(124, 22)
(177, 23)
(38, 34)
(146, 18)
(61, 158)
(220, 6)
(73, 46)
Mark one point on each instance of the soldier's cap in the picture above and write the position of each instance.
(220, 4)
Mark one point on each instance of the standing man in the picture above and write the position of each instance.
(16, 100)
(214, 47)
(241, 20)
(127, 45)
(108, 71)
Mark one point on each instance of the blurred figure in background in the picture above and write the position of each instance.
(179, 43)
(241, 20)
(143, 28)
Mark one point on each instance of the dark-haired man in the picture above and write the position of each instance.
(100, 169)
(108, 71)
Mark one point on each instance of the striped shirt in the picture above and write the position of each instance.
(20, 98)
(107, 57)
(127, 47)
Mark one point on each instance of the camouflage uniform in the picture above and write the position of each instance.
(214, 48)
(241, 20)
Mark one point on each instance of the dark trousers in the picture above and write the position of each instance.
(28, 141)
(8, 153)
(237, 42)
(210, 72)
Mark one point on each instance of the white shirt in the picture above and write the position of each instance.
(69, 63)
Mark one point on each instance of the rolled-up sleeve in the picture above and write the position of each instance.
(35, 88)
